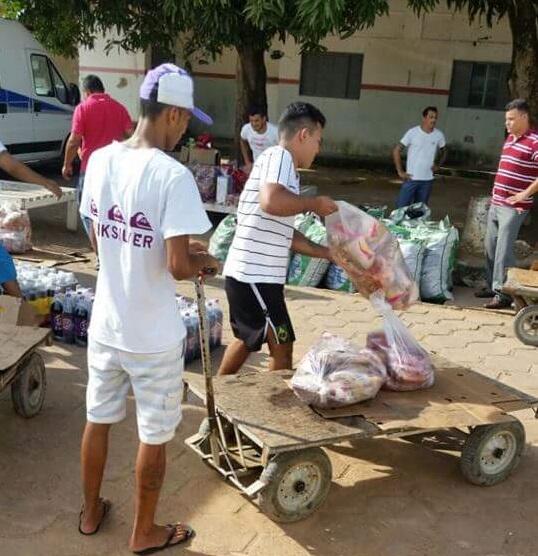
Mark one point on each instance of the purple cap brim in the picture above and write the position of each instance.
(202, 116)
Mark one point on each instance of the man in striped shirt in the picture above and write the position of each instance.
(257, 262)
(515, 184)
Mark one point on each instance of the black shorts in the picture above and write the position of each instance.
(254, 308)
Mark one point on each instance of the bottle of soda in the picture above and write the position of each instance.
(56, 311)
(68, 324)
(80, 321)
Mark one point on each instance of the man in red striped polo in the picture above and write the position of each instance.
(515, 184)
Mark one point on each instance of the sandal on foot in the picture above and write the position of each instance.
(189, 534)
(106, 508)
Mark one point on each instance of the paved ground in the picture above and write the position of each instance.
(387, 497)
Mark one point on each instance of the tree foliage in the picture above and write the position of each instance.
(207, 25)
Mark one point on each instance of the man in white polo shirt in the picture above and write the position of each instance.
(256, 136)
(423, 143)
(143, 205)
(257, 262)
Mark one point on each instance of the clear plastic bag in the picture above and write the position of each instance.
(335, 373)
(370, 255)
(409, 366)
(15, 229)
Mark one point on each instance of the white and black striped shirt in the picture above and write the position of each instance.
(261, 246)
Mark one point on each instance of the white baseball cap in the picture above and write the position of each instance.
(170, 84)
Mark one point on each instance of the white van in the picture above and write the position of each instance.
(36, 103)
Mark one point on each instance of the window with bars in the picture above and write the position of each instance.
(479, 85)
(331, 74)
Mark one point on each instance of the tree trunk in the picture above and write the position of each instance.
(251, 80)
(524, 74)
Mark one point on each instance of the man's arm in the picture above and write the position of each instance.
(245, 151)
(185, 261)
(397, 158)
(23, 173)
(524, 195)
(301, 244)
(71, 148)
(275, 199)
(441, 157)
(93, 238)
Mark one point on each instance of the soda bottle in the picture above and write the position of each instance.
(56, 311)
(80, 321)
(68, 324)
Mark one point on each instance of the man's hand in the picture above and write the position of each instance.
(54, 188)
(211, 265)
(197, 247)
(517, 198)
(435, 168)
(323, 205)
(404, 175)
(67, 171)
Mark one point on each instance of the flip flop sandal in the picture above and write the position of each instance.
(106, 508)
(189, 534)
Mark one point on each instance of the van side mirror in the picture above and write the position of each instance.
(74, 94)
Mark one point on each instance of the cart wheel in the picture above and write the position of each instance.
(492, 452)
(526, 325)
(298, 483)
(28, 391)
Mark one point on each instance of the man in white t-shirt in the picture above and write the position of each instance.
(424, 143)
(256, 136)
(257, 262)
(143, 206)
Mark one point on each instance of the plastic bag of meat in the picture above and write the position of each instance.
(370, 255)
(409, 366)
(15, 229)
(336, 373)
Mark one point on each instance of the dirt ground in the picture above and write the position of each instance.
(388, 497)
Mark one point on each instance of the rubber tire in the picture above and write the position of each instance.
(470, 455)
(273, 474)
(522, 315)
(32, 369)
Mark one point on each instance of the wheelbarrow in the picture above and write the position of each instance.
(522, 286)
(22, 367)
(268, 443)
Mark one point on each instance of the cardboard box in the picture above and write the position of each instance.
(204, 156)
(195, 154)
(14, 310)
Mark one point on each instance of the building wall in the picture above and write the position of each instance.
(121, 72)
(407, 65)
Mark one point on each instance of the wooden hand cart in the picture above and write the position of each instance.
(22, 367)
(268, 443)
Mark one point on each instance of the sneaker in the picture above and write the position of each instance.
(484, 293)
(499, 302)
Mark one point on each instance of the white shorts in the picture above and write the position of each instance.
(156, 379)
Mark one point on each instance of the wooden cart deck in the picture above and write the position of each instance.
(267, 411)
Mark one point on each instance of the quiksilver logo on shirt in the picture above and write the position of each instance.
(118, 229)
